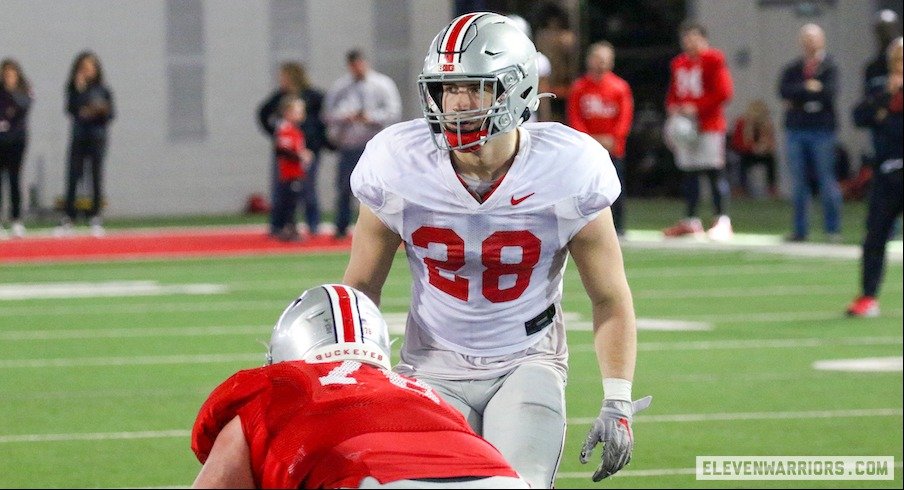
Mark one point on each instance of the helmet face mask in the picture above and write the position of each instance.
(331, 323)
(490, 52)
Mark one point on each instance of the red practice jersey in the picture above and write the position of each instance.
(706, 83)
(603, 106)
(331, 425)
(289, 144)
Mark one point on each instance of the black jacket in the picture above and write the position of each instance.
(313, 127)
(880, 112)
(13, 114)
(89, 126)
(805, 109)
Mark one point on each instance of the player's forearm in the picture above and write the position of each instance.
(615, 340)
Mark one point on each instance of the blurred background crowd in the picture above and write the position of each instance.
(198, 83)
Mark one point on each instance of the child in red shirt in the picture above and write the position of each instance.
(292, 157)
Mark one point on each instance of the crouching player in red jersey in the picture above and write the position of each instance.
(327, 412)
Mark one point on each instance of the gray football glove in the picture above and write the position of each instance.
(613, 429)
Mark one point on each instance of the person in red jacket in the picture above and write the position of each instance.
(601, 105)
(292, 160)
(327, 412)
(699, 89)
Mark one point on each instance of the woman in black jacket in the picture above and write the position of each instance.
(90, 104)
(293, 80)
(15, 100)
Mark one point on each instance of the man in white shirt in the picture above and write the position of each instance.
(359, 105)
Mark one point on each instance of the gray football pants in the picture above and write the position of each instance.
(522, 414)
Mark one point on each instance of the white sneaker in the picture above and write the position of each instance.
(97, 227)
(18, 229)
(721, 230)
(64, 229)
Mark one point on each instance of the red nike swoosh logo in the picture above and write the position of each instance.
(518, 201)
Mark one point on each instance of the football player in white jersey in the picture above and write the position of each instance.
(489, 209)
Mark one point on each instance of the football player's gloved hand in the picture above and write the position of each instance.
(613, 429)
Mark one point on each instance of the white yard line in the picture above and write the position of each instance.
(785, 316)
(258, 357)
(755, 344)
(116, 333)
(95, 436)
(726, 416)
(103, 289)
(677, 418)
(402, 302)
(132, 360)
(767, 244)
(751, 292)
(208, 304)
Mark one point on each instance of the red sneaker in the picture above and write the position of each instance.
(688, 226)
(864, 306)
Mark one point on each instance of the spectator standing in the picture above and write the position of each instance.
(808, 87)
(699, 88)
(15, 100)
(882, 111)
(601, 105)
(89, 102)
(753, 139)
(293, 80)
(358, 106)
(558, 42)
(293, 158)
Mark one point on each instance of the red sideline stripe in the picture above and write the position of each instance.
(345, 311)
(160, 244)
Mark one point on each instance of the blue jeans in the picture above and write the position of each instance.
(816, 148)
(348, 159)
(309, 195)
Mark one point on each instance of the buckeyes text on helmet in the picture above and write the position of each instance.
(484, 48)
(329, 323)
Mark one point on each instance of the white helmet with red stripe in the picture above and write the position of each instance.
(488, 49)
(331, 323)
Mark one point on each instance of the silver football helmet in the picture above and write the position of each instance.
(331, 323)
(488, 50)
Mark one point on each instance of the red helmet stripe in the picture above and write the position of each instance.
(346, 318)
(452, 39)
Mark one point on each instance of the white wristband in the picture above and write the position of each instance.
(617, 389)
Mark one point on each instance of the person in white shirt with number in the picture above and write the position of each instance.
(489, 210)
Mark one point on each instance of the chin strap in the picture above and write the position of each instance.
(456, 139)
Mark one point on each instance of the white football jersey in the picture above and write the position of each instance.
(486, 276)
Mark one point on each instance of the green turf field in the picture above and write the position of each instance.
(101, 391)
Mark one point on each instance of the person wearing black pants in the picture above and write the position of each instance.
(882, 111)
(90, 104)
(15, 100)
(293, 80)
